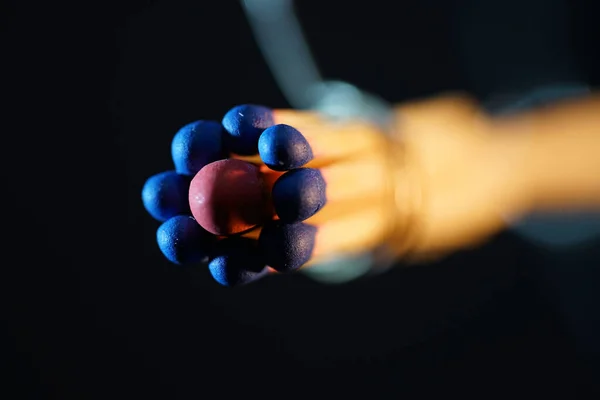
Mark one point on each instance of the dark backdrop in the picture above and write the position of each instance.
(94, 91)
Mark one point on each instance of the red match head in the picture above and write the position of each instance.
(228, 197)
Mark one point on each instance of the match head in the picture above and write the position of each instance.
(228, 197)
(164, 195)
(287, 247)
(282, 147)
(183, 241)
(236, 261)
(243, 126)
(197, 144)
(299, 194)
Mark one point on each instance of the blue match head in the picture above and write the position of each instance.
(282, 147)
(236, 261)
(244, 125)
(299, 194)
(287, 247)
(197, 144)
(183, 241)
(166, 194)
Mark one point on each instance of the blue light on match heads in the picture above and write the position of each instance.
(299, 194)
(243, 126)
(183, 241)
(165, 195)
(197, 144)
(236, 261)
(287, 247)
(282, 147)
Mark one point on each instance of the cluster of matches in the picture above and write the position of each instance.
(248, 194)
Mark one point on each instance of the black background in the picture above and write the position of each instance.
(94, 91)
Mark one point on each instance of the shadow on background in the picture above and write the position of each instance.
(93, 94)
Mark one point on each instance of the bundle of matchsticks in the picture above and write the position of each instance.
(272, 191)
(266, 191)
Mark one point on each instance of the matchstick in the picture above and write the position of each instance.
(299, 194)
(328, 140)
(288, 247)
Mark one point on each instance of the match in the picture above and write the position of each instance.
(299, 194)
(296, 139)
(197, 144)
(288, 247)
(297, 188)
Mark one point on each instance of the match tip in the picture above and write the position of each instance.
(236, 261)
(197, 144)
(183, 241)
(287, 247)
(244, 125)
(227, 197)
(165, 194)
(282, 147)
(299, 194)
